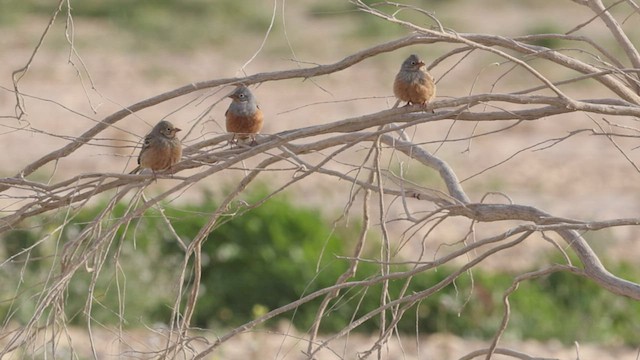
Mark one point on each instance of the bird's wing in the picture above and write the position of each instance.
(145, 145)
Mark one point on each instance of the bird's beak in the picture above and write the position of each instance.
(421, 63)
(177, 129)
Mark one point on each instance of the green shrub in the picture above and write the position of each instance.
(564, 306)
(266, 257)
(181, 24)
(546, 29)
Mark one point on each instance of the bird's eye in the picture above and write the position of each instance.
(241, 96)
(413, 63)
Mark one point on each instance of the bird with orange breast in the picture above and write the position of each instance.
(243, 117)
(413, 83)
(161, 148)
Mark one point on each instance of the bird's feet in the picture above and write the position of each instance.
(425, 107)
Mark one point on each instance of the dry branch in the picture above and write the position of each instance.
(381, 133)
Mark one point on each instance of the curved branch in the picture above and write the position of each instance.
(632, 53)
(592, 265)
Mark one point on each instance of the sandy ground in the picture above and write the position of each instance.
(584, 177)
(289, 345)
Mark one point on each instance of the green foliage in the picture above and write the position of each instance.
(181, 24)
(370, 26)
(575, 308)
(364, 25)
(266, 258)
(258, 259)
(546, 29)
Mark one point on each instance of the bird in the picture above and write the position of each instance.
(161, 148)
(243, 117)
(413, 83)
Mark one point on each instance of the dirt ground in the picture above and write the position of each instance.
(584, 177)
(287, 344)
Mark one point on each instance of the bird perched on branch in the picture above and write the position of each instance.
(413, 83)
(244, 117)
(161, 148)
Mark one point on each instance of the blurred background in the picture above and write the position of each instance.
(106, 55)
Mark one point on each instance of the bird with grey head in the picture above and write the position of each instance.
(413, 83)
(161, 148)
(244, 118)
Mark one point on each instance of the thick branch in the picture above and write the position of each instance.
(592, 265)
